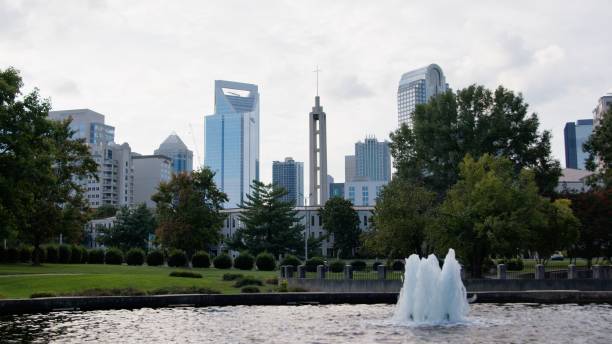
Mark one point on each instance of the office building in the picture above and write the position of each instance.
(289, 174)
(87, 124)
(232, 139)
(336, 190)
(149, 171)
(575, 135)
(318, 155)
(174, 148)
(417, 87)
(364, 192)
(603, 104)
(350, 168)
(372, 160)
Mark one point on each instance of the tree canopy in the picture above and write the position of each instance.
(131, 228)
(342, 221)
(599, 147)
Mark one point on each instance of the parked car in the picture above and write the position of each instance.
(556, 256)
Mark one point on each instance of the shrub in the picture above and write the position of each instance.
(358, 265)
(487, 265)
(312, 263)
(244, 261)
(290, 260)
(397, 265)
(155, 258)
(95, 256)
(248, 280)
(250, 289)
(52, 255)
(177, 258)
(129, 291)
(75, 254)
(376, 265)
(513, 264)
(113, 256)
(183, 290)
(265, 262)
(64, 254)
(273, 281)
(135, 256)
(185, 274)
(336, 266)
(200, 259)
(84, 255)
(222, 261)
(41, 294)
(25, 253)
(231, 277)
(12, 255)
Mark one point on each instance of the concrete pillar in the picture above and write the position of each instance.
(501, 271)
(539, 272)
(382, 272)
(571, 272)
(283, 271)
(321, 271)
(348, 272)
(597, 272)
(289, 273)
(301, 271)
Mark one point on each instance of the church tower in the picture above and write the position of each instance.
(318, 155)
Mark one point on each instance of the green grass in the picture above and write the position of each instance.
(22, 280)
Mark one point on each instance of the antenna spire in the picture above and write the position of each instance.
(317, 70)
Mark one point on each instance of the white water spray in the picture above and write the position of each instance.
(430, 294)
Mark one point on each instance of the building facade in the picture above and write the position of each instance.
(174, 148)
(336, 190)
(373, 159)
(350, 168)
(575, 135)
(603, 104)
(363, 193)
(232, 139)
(573, 180)
(149, 171)
(417, 87)
(289, 174)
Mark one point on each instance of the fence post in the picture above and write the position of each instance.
(289, 273)
(571, 272)
(382, 272)
(348, 272)
(283, 270)
(597, 272)
(301, 271)
(502, 271)
(321, 271)
(539, 272)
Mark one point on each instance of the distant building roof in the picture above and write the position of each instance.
(569, 175)
(173, 142)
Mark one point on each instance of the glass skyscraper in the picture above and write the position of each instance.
(174, 148)
(289, 174)
(416, 87)
(232, 139)
(372, 160)
(576, 135)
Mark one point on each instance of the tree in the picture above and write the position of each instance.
(488, 211)
(104, 211)
(401, 216)
(40, 168)
(342, 221)
(269, 223)
(599, 147)
(188, 211)
(473, 121)
(131, 229)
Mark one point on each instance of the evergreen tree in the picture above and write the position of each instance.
(131, 229)
(342, 221)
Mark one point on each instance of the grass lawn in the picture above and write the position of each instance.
(22, 280)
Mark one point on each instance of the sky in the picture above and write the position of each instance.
(149, 66)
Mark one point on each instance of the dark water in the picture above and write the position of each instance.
(512, 323)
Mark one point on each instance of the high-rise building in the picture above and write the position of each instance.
(372, 159)
(318, 155)
(115, 182)
(149, 171)
(603, 104)
(336, 190)
(417, 87)
(350, 168)
(576, 135)
(232, 139)
(174, 148)
(363, 193)
(289, 174)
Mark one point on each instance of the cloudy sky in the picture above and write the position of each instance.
(150, 66)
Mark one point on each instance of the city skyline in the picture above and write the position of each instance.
(145, 95)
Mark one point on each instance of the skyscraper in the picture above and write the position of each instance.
(318, 155)
(174, 148)
(350, 168)
(602, 107)
(372, 160)
(232, 139)
(575, 135)
(290, 175)
(149, 171)
(416, 87)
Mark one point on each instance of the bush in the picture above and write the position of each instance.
(41, 294)
(84, 255)
(185, 274)
(312, 263)
(231, 277)
(52, 255)
(515, 264)
(290, 260)
(135, 256)
(177, 258)
(358, 265)
(95, 256)
(64, 254)
(336, 266)
(376, 265)
(265, 262)
(113, 256)
(12, 255)
(250, 289)
(25, 253)
(183, 290)
(273, 281)
(75, 254)
(397, 265)
(248, 280)
(487, 265)
(244, 261)
(200, 259)
(222, 261)
(155, 258)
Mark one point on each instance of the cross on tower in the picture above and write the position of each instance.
(317, 71)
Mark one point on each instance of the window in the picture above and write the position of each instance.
(365, 220)
(312, 222)
(320, 221)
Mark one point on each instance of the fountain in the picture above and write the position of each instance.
(431, 295)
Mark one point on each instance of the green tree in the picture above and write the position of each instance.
(131, 229)
(599, 147)
(342, 221)
(104, 211)
(188, 211)
(40, 168)
(269, 223)
(473, 121)
(401, 216)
